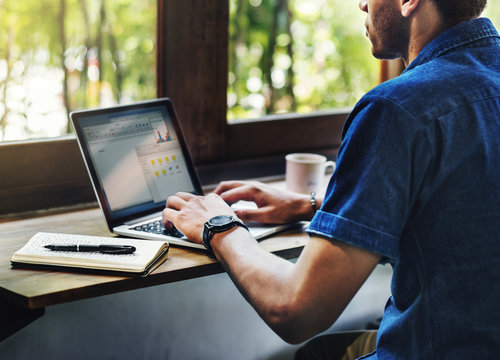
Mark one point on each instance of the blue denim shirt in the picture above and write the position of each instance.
(418, 182)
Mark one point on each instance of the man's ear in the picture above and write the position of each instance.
(408, 7)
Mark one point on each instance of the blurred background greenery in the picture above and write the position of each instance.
(285, 56)
(297, 56)
(300, 56)
(60, 55)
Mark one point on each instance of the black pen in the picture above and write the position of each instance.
(103, 249)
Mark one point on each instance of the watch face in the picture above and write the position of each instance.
(221, 220)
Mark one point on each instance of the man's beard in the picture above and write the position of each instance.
(391, 32)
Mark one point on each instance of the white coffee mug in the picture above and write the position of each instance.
(305, 172)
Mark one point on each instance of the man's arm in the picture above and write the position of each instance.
(296, 300)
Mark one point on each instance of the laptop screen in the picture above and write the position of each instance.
(136, 157)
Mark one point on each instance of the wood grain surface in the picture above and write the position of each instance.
(34, 289)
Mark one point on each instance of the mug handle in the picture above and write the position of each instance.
(330, 164)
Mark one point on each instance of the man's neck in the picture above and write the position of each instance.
(425, 25)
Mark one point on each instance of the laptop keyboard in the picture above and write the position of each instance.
(156, 227)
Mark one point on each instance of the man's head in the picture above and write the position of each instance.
(455, 11)
(401, 28)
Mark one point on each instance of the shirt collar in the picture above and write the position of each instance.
(461, 34)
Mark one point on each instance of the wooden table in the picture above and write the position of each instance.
(25, 293)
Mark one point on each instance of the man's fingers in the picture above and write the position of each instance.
(185, 196)
(234, 191)
(175, 202)
(253, 215)
(178, 200)
(237, 194)
(168, 216)
(227, 185)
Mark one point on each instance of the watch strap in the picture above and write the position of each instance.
(210, 230)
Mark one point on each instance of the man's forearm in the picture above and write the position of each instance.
(261, 277)
(265, 280)
(296, 300)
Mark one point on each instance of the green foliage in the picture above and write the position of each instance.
(116, 36)
(285, 55)
(319, 57)
(330, 64)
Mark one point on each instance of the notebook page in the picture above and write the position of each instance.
(35, 252)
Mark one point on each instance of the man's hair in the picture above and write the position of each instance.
(455, 11)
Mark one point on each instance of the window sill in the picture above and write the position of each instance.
(50, 173)
(263, 169)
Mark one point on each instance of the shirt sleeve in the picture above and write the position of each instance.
(370, 195)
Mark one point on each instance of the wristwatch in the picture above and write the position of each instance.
(219, 224)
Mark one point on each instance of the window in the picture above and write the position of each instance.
(192, 68)
(493, 12)
(296, 56)
(60, 55)
(193, 53)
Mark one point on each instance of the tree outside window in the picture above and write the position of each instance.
(284, 56)
(60, 55)
(300, 56)
(297, 56)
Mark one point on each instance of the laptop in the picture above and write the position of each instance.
(136, 157)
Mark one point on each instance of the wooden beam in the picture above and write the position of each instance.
(192, 63)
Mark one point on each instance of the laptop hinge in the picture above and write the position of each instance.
(144, 218)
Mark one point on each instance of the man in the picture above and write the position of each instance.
(417, 185)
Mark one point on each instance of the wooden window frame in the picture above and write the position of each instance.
(192, 69)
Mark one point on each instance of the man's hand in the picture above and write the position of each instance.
(189, 213)
(274, 206)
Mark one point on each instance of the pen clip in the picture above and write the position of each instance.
(117, 249)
